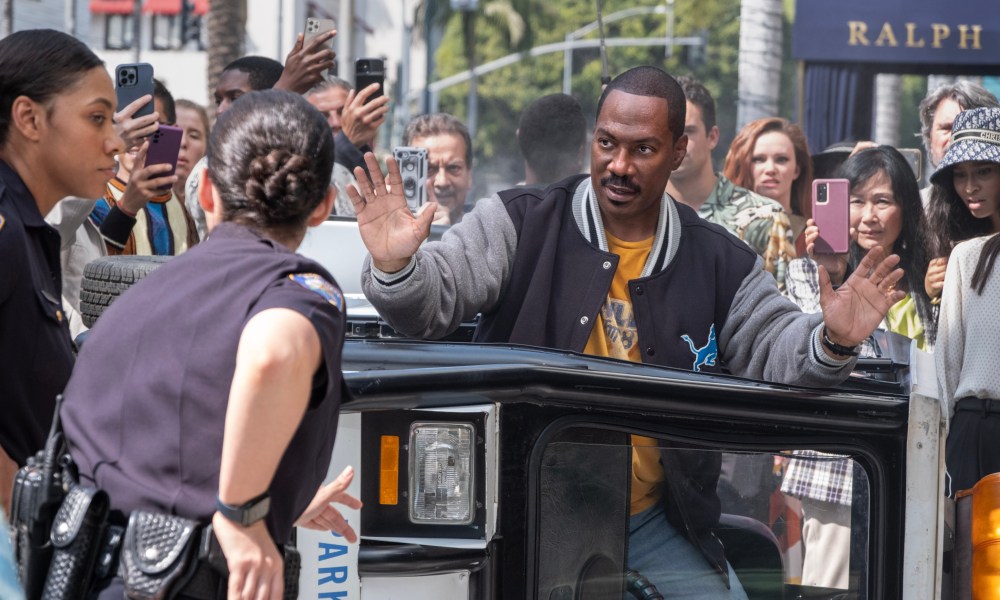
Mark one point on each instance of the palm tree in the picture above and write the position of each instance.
(8, 18)
(226, 31)
(888, 87)
(760, 55)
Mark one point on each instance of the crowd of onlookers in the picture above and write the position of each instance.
(944, 234)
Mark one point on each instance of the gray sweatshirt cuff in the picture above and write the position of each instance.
(821, 358)
(388, 281)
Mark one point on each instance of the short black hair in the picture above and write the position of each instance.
(39, 64)
(262, 72)
(654, 82)
(551, 133)
(697, 94)
(169, 106)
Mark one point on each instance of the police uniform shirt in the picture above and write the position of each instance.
(145, 409)
(36, 352)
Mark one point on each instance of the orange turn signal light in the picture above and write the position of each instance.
(388, 489)
(986, 538)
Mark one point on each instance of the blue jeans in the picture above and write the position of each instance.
(677, 569)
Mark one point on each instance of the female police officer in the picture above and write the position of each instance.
(56, 140)
(216, 381)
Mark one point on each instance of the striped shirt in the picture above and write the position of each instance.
(162, 228)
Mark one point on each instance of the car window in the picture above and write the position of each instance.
(765, 513)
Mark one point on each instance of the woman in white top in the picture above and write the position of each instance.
(969, 324)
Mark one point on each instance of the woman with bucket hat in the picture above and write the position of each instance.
(967, 194)
(959, 210)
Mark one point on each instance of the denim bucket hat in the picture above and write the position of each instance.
(975, 136)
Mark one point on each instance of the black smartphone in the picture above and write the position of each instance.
(413, 168)
(368, 71)
(133, 81)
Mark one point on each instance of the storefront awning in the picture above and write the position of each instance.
(112, 7)
(162, 7)
(200, 7)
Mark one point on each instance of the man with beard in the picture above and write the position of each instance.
(610, 265)
(449, 162)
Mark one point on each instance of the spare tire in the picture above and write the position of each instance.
(107, 278)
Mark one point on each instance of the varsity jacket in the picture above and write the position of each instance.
(535, 264)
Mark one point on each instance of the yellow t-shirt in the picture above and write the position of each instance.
(615, 335)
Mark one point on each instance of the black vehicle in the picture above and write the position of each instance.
(497, 471)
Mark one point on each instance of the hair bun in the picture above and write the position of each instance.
(275, 181)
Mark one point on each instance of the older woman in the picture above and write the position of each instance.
(885, 210)
(223, 410)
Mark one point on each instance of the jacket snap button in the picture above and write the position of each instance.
(584, 320)
(607, 265)
(650, 350)
(638, 289)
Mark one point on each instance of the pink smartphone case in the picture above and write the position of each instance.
(832, 216)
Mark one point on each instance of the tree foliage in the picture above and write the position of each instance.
(505, 92)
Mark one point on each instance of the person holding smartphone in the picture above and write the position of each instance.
(885, 211)
(57, 139)
(355, 117)
(140, 214)
(226, 409)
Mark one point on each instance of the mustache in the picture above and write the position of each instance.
(620, 181)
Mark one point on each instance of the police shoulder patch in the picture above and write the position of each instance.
(316, 283)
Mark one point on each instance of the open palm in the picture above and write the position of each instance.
(388, 228)
(853, 311)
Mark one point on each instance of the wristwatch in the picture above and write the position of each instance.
(837, 348)
(246, 514)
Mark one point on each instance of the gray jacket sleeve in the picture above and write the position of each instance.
(449, 281)
(68, 215)
(767, 337)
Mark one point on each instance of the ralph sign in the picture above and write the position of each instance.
(897, 31)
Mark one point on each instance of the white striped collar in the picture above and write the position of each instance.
(665, 243)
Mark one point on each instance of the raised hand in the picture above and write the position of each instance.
(934, 280)
(134, 130)
(321, 515)
(360, 120)
(855, 309)
(306, 63)
(145, 182)
(388, 228)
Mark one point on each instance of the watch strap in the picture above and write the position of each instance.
(248, 513)
(836, 348)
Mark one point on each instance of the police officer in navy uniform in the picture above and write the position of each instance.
(212, 387)
(56, 140)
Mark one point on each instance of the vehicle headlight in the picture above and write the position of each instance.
(441, 464)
